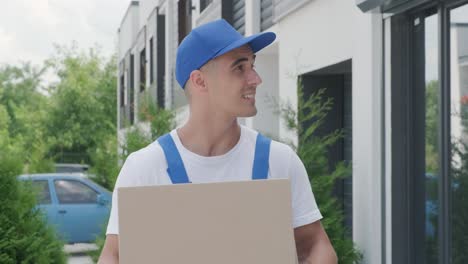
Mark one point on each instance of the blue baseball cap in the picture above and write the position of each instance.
(212, 40)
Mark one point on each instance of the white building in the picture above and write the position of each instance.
(374, 57)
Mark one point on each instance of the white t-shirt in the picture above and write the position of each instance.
(148, 167)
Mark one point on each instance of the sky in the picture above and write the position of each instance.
(30, 28)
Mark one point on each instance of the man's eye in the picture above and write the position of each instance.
(240, 68)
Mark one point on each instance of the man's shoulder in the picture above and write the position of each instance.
(280, 147)
(151, 154)
(276, 146)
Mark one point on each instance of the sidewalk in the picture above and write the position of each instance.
(78, 253)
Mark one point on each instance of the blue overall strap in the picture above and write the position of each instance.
(175, 165)
(261, 159)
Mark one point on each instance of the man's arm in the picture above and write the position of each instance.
(313, 245)
(110, 252)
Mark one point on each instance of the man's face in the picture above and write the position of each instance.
(232, 83)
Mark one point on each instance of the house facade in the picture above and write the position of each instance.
(397, 72)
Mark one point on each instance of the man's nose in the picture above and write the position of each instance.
(253, 78)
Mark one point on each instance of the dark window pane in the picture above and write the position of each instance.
(122, 91)
(459, 132)
(132, 90)
(204, 4)
(151, 61)
(142, 70)
(74, 192)
(41, 189)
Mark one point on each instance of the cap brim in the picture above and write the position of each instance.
(256, 43)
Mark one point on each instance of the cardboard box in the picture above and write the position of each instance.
(247, 222)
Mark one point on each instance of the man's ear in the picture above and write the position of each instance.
(198, 80)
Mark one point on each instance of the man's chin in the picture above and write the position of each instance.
(249, 114)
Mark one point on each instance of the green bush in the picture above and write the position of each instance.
(135, 139)
(100, 240)
(105, 160)
(25, 237)
(161, 120)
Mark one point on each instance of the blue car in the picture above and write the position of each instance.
(76, 206)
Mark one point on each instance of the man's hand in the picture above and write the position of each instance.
(110, 252)
(313, 245)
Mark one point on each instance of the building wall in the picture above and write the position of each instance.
(267, 120)
(388, 140)
(173, 93)
(146, 8)
(128, 29)
(138, 47)
(323, 33)
(127, 34)
(151, 34)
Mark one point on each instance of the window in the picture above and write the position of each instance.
(161, 60)
(266, 14)
(132, 89)
(41, 190)
(185, 18)
(233, 11)
(238, 15)
(429, 51)
(74, 192)
(458, 181)
(122, 90)
(151, 60)
(142, 70)
(204, 4)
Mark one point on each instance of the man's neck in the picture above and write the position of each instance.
(209, 137)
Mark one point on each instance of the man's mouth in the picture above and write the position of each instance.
(248, 96)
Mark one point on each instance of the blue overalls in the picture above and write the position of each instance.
(178, 174)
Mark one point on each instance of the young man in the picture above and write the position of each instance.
(215, 66)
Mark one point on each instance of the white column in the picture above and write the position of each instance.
(252, 26)
(171, 16)
(388, 142)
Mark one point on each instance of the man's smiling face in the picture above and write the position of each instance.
(232, 82)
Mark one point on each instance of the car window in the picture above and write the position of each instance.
(74, 192)
(41, 190)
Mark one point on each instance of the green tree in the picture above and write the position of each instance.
(312, 150)
(432, 117)
(82, 109)
(105, 162)
(23, 114)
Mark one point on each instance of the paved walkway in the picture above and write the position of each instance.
(78, 253)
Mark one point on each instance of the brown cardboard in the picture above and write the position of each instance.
(247, 222)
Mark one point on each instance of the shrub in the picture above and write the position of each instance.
(25, 237)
